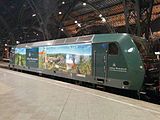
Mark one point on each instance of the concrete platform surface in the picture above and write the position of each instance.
(29, 97)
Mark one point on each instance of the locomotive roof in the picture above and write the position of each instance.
(96, 38)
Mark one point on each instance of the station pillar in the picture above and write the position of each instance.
(138, 17)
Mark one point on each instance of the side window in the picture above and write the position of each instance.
(113, 49)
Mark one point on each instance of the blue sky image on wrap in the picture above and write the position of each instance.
(21, 51)
(77, 49)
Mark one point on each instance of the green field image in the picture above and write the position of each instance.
(53, 62)
(74, 58)
(78, 64)
(20, 56)
(58, 62)
(42, 58)
(42, 63)
(84, 67)
(20, 60)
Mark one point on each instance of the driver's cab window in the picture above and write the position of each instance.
(113, 49)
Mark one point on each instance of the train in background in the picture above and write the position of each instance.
(117, 60)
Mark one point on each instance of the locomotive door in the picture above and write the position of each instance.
(100, 61)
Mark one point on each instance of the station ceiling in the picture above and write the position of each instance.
(37, 20)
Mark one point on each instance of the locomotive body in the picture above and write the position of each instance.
(113, 60)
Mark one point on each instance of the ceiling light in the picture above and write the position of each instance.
(157, 53)
(76, 21)
(60, 13)
(79, 25)
(5, 44)
(63, 2)
(103, 19)
(33, 15)
(100, 15)
(62, 29)
(17, 42)
(84, 4)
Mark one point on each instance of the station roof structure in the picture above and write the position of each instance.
(38, 20)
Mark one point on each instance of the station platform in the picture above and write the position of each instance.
(4, 64)
(28, 97)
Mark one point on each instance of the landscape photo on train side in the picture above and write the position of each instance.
(73, 58)
(20, 56)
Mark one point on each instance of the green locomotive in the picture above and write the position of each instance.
(116, 60)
